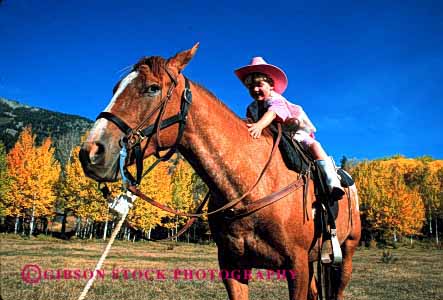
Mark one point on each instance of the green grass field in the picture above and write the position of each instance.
(414, 274)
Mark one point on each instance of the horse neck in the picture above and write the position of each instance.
(218, 145)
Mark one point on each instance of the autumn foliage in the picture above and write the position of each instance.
(34, 172)
(395, 195)
(157, 184)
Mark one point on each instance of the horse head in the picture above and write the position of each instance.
(144, 116)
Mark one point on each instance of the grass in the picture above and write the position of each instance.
(414, 274)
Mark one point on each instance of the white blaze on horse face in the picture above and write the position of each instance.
(101, 124)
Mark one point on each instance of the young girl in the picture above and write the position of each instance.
(266, 83)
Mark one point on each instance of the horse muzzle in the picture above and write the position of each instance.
(97, 162)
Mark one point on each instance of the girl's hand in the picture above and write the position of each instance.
(254, 130)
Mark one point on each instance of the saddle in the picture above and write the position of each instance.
(301, 161)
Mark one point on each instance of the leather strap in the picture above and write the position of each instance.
(268, 200)
(190, 221)
(116, 120)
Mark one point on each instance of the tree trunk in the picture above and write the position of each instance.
(52, 225)
(105, 231)
(176, 228)
(149, 232)
(77, 226)
(91, 230)
(31, 225)
(16, 224)
(23, 225)
(430, 224)
(436, 230)
(85, 229)
(64, 219)
(46, 227)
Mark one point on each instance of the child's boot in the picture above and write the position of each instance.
(332, 181)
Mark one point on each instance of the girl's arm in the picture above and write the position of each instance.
(255, 129)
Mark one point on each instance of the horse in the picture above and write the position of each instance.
(217, 144)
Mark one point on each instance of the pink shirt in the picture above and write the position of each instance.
(287, 111)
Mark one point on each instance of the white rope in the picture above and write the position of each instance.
(103, 257)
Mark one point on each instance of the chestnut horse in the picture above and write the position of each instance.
(217, 144)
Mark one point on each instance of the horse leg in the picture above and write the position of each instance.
(236, 287)
(298, 285)
(341, 277)
(313, 292)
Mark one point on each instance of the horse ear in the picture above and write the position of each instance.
(181, 59)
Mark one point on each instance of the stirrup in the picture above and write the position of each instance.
(337, 257)
(326, 252)
(331, 251)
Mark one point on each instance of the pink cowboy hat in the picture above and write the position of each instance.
(258, 64)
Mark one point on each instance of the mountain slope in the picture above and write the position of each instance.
(14, 116)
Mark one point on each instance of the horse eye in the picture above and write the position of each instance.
(152, 90)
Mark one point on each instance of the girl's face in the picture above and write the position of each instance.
(261, 90)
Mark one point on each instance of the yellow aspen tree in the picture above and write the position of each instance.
(405, 209)
(5, 182)
(34, 172)
(182, 192)
(365, 176)
(406, 199)
(156, 185)
(389, 207)
(432, 190)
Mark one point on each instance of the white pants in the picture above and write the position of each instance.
(304, 138)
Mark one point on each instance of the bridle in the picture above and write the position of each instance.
(134, 136)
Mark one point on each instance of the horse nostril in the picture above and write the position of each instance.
(96, 152)
(100, 148)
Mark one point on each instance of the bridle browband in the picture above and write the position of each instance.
(134, 136)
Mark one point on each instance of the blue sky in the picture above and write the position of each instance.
(368, 73)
